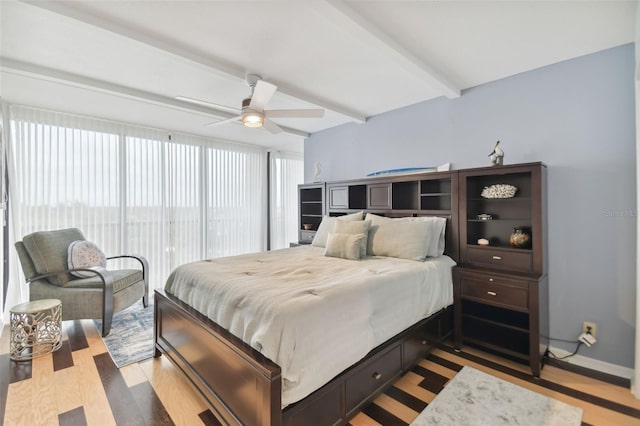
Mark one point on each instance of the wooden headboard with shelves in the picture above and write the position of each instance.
(424, 194)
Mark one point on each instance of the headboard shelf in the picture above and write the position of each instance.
(424, 194)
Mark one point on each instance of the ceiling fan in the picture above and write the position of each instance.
(253, 113)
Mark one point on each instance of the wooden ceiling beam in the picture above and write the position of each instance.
(216, 65)
(62, 77)
(358, 26)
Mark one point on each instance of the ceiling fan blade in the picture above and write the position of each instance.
(261, 95)
(208, 104)
(294, 113)
(271, 126)
(221, 122)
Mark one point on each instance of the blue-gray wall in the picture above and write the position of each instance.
(576, 116)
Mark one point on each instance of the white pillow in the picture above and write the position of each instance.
(438, 226)
(360, 227)
(85, 254)
(344, 246)
(327, 224)
(404, 239)
(435, 241)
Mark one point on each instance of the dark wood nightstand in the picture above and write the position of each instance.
(503, 312)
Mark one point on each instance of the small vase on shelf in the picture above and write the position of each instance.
(520, 238)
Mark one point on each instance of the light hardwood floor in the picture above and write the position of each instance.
(79, 384)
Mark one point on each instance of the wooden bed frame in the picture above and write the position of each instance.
(243, 387)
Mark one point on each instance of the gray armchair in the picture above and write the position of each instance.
(43, 256)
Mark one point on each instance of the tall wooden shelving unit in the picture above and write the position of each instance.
(311, 208)
(500, 291)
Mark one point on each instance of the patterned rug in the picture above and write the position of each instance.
(474, 398)
(131, 336)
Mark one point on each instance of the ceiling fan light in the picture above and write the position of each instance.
(253, 119)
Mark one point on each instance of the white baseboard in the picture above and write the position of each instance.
(594, 364)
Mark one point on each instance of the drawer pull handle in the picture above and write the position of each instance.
(497, 257)
(491, 279)
(492, 293)
(424, 342)
(377, 375)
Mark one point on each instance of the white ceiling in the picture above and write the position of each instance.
(128, 60)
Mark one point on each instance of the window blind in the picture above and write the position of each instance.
(172, 198)
(287, 171)
(235, 215)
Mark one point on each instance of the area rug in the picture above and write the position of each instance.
(131, 336)
(475, 398)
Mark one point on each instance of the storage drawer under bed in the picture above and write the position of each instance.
(372, 376)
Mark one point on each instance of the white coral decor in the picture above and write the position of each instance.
(500, 190)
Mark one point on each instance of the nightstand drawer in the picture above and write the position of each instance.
(306, 237)
(495, 291)
(519, 261)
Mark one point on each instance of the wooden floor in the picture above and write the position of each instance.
(79, 384)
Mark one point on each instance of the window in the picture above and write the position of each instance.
(172, 198)
(287, 171)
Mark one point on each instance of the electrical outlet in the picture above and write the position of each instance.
(590, 328)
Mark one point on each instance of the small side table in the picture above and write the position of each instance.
(36, 329)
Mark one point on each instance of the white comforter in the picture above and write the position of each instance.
(313, 315)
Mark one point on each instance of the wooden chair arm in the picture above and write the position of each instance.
(145, 273)
(143, 261)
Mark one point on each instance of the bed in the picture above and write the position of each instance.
(322, 339)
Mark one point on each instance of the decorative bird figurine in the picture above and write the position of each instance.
(318, 169)
(497, 155)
